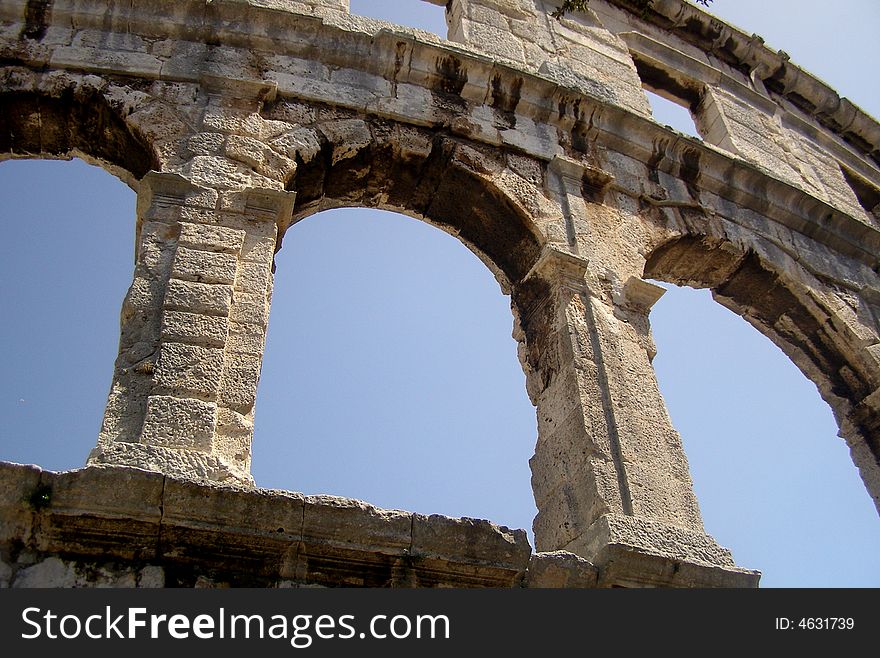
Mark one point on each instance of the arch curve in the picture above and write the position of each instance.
(73, 119)
(446, 181)
(795, 317)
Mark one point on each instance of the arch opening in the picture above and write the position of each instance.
(671, 113)
(65, 263)
(390, 374)
(424, 15)
(439, 179)
(774, 482)
(795, 321)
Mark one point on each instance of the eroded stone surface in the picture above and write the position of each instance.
(529, 139)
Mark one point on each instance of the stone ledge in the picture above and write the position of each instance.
(631, 552)
(234, 535)
(138, 528)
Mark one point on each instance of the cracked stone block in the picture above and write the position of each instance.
(179, 423)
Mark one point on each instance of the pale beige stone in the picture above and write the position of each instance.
(198, 297)
(190, 367)
(179, 423)
(210, 238)
(204, 330)
(204, 266)
(531, 140)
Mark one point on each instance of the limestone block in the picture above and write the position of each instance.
(527, 31)
(210, 238)
(373, 85)
(347, 523)
(467, 551)
(496, 42)
(348, 137)
(246, 338)
(658, 495)
(624, 567)
(559, 569)
(476, 540)
(54, 572)
(254, 278)
(649, 537)
(20, 494)
(220, 172)
(103, 60)
(531, 138)
(91, 38)
(204, 266)
(177, 57)
(250, 309)
(151, 577)
(295, 66)
(206, 143)
(234, 121)
(486, 16)
(233, 424)
(155, 248)
(232, 443)
(194, 328)
(259, 248)
(228, 528)
(752, 134)
(210, 299)
(179, 423)
(351, 543)
(241, 374)
(173, 462)
(567, 506)
(302, 143)
(255, 154)
(51, 572)
(320, 91)
(159, 122)
(101, 511)
(565, 447)
(412, 142)
(190, 368)
(205, 217)
(411, 103)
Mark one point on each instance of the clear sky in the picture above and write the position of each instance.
(390, 373)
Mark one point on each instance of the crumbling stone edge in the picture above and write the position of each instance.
(106, 526)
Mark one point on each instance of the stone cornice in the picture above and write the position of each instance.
(749, 54)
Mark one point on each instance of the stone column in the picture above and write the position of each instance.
(193, 328)
(609, 474)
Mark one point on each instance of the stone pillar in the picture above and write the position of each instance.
(609, 474)
(193, 328)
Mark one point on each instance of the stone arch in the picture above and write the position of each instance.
(795, 316)
(397, 328)
(468, 191)
(73, 119)
(446, 181)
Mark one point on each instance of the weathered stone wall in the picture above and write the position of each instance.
(527, 138)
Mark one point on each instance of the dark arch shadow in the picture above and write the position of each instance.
(76, 122)
(447, 183)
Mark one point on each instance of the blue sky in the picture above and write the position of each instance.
(390, 372)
